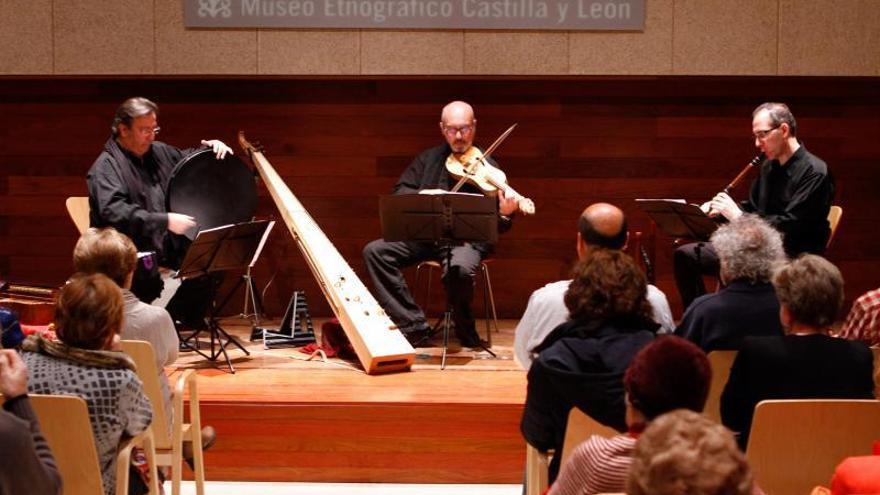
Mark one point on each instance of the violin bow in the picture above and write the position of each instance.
(486, 154)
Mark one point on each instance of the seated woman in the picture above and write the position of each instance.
(805, 363)
(86, 363)
(581, 362)
(685, 452)
(669, 373)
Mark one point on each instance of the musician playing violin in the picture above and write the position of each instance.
(792, 192)
(427, 174)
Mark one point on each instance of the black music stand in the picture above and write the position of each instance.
(230, 247)
(677, 219)
(447, 219)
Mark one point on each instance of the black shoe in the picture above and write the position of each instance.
(418, 337)
(470, 339)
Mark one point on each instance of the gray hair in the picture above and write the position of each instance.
(131, 109)
(811, 287)
(779, 114)
(749, 249)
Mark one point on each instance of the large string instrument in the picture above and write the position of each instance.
(379, 345)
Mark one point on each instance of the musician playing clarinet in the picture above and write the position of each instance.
(127, 186)
(793, 192)
(427, 174)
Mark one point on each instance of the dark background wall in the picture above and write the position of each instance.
(341, 143)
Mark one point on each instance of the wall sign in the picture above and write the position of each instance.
(569, 15)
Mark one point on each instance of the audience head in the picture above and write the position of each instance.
(89, 312)
(106, 251)
(606, 285)
(749, 249)
(683, 452)
(601, 225)
(10, 329)
(669, 373)
(810, 292)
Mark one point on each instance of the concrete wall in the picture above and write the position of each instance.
(682, 37)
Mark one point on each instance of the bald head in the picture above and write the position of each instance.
(602, 225)
(458, 125)
(457, 110)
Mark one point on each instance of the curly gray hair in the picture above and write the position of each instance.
(749, 249)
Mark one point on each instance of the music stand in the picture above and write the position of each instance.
(678, 219)
(230, 247)
(447, 219)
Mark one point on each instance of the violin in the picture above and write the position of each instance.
(471, 166)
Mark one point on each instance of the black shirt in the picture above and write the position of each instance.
(128, 194)
(795, 199)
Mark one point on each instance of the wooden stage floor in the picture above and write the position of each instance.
(281, 418)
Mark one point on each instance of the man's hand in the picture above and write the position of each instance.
(180, 223)
(219, 147)
(506, 205)
(724, 205)
(13, 374)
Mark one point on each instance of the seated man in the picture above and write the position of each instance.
(792, 192)
(667, 374)
(26, 465)
(427, 174)
(683, 452)
(863, 321)
(748, 249)
(600, 226)
(805, 363)
(127, 188)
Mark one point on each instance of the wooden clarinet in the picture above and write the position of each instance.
(378, 343)
(745, 171)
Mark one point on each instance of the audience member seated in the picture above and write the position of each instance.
(667, 374)
(805, 363)
(581, 362)
(26, 464)
(748, 249)
(600, 226)
(87, 363)
(683, 452)
(863, 321)
(857, 476)
(113, 254)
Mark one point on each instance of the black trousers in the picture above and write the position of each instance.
(690, 262)
(384, 261)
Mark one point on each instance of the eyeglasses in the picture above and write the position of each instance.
(146, 132)
(763, 134)
(453, 131)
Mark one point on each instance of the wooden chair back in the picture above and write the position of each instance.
(795, 445)
(78, 209)
(64, 421)
(720, 361)
(169, 450)
(579, 428)
(834, 216)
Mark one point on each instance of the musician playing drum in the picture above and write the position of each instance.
(793, 193)
(428, 174)
(127, 186)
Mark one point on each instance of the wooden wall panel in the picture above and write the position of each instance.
(341, 143)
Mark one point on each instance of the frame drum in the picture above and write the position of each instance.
(214, 192)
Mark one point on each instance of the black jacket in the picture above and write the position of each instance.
(579, 371)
